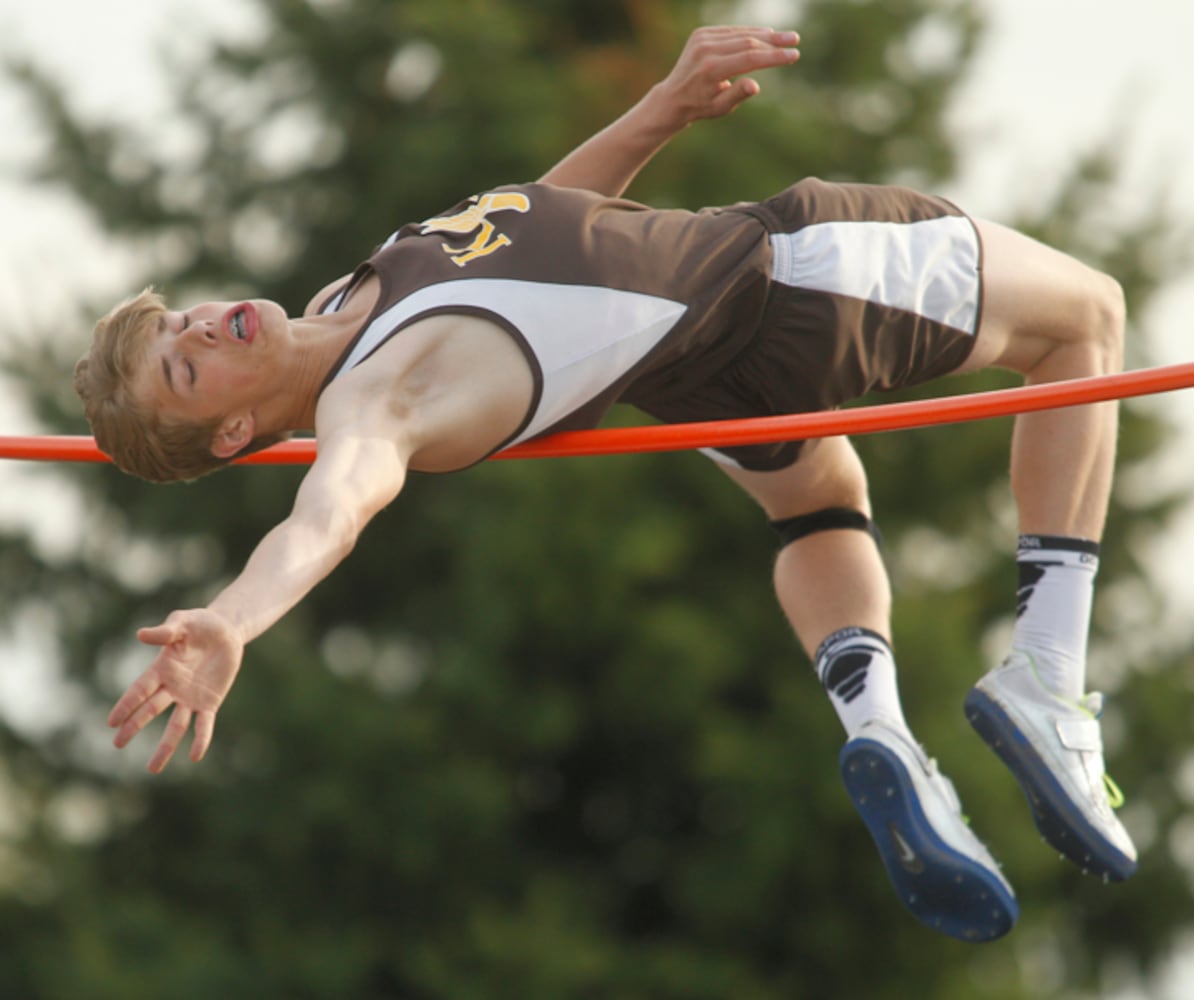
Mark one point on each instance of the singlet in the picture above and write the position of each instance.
(608, 300)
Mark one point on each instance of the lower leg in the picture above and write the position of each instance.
(834, 590)
(833, 580)
(1062, 460)
(830, 579)
(1062, 465)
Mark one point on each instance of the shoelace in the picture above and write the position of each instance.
(1115, 796)
(939, 779)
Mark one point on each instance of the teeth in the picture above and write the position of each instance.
(237, 323)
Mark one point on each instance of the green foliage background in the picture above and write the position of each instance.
(546, 734)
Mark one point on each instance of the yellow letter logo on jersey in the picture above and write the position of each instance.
(477, 216)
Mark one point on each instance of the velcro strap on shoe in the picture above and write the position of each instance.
(1080, 734)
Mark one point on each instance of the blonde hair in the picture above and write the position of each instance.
(137, 439)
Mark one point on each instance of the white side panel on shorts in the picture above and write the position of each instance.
(930, 268)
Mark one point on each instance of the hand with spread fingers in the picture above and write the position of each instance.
(199, 660)
(708, 79)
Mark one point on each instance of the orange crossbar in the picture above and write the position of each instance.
(726, 433)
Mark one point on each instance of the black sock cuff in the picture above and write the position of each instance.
(846, 637)
(1030, 545)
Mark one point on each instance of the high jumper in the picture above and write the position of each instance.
(531, 308)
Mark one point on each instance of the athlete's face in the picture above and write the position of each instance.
(207, 361)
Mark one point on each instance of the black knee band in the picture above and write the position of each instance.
(790, 529)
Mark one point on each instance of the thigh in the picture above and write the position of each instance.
(1034, 298)
(828, 473)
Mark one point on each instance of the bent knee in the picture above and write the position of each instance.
(1110, 318)
(1044, 308)
(1085, 337)
(1096, 341)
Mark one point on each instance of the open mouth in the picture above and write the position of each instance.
(241, 322)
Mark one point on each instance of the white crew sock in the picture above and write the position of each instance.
(857, 669)
(1053, 602)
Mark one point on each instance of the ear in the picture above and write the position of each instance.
(232, 435)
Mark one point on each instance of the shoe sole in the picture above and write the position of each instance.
(1058, 819)
(943, 888)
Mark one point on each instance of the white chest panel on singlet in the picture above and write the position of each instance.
(581, 337)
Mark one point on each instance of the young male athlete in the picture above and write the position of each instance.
(533, 307)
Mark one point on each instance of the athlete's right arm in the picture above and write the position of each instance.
(353, 477)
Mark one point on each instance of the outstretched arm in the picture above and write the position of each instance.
(201, 649)
(706, 82)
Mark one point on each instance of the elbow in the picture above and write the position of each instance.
(344, 529)
(331, 511)
(332, 530)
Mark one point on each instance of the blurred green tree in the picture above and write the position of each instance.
(546, 734)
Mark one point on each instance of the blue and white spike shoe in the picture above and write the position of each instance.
(942, 872)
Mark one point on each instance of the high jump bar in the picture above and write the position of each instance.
(725, 433)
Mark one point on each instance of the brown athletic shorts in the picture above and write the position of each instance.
(872, 287)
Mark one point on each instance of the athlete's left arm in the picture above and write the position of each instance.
(707, 81)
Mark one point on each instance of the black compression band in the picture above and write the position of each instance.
(790, 529)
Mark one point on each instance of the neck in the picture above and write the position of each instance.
(317, 343)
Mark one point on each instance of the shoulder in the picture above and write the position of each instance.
(357, 404)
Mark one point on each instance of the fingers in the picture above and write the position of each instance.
(735, 31)
(137, 718)
(159, 635)
(138, 693)
(736, 56)
(176, 729)
(147, 709)
(205, 724)
(732, 95)
(713, 57)
(775, 46)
